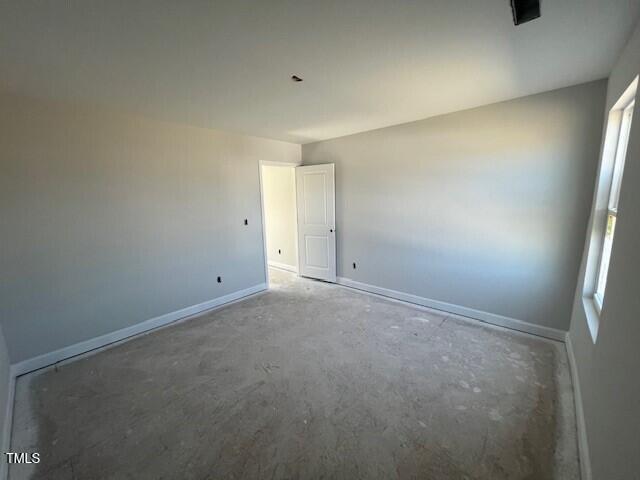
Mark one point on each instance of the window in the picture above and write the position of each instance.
(605, 208)
(612, 206)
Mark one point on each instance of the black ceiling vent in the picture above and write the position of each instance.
(525, 10)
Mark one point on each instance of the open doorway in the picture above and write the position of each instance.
(278, 186)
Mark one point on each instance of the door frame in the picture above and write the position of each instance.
(270, 163)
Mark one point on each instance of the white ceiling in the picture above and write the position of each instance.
(366, 63)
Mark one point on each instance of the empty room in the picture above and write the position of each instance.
(367, 239)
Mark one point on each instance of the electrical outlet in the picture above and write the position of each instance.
(219, 279)
(246, 221)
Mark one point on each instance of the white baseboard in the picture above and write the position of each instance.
(583, 443)
(8, 423)
(65, 353)
(486, 317)
(283, 266)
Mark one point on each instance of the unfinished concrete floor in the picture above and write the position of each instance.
(309, 380)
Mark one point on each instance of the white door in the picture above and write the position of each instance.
(315, 187)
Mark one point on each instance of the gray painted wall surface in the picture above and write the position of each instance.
(608, 370)
(4, 396)
(485, 208)
(109, 220)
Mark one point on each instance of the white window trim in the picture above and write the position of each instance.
(606, 201)
(614, 195)
(597, 302)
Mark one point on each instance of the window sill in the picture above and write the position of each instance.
(593, 318)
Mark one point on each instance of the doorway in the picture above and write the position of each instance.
(278, 185)
(298, 212)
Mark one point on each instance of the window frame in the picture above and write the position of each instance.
(604, 254)
(607, 192)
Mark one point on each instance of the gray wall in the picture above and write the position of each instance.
(485, 208)
(608, 371)
(4, 398)
(109, 220)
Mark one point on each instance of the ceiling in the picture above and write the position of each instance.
(366, 63)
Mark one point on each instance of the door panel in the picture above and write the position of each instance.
(315, 188)
(315, 206)
(317, 251)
